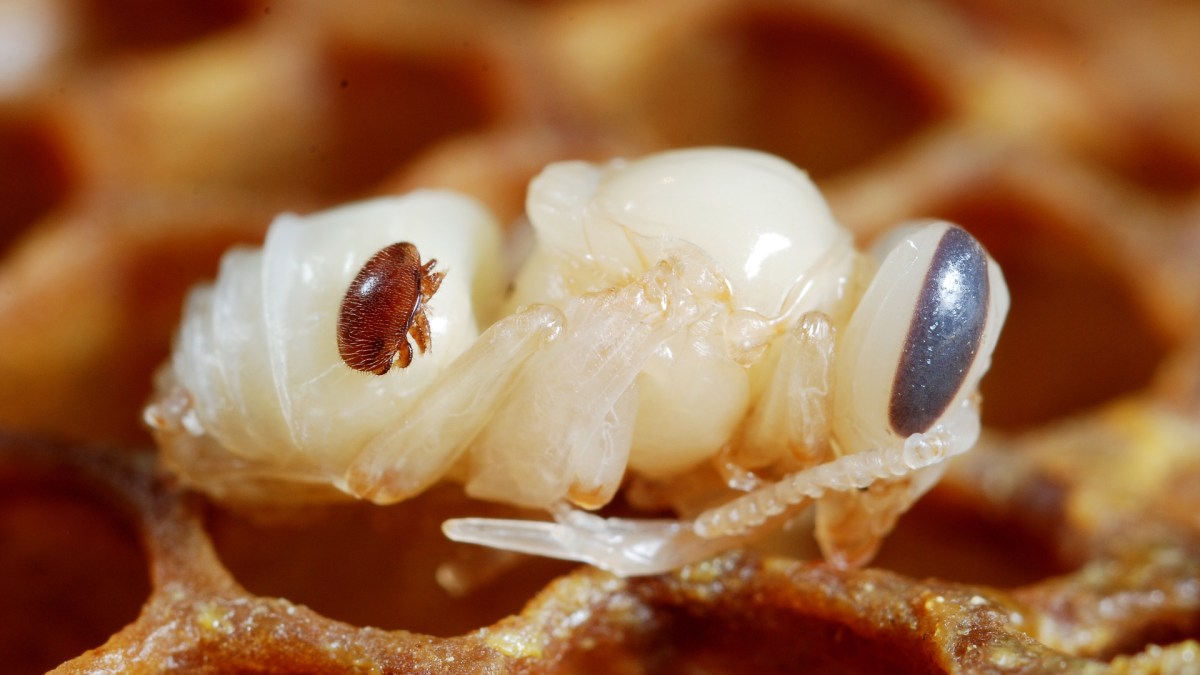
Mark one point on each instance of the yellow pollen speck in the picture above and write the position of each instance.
(514, 645)
(214, 619)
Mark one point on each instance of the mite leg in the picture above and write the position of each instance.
(404, 354)
(430, 281)
(419, 330)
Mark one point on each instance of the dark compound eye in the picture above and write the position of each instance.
(378, 309)
(944, 333)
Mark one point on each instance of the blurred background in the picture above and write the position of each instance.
(139, 139)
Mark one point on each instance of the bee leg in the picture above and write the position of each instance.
(851, 524)
(791, 419)
(419, 449)
(624, 547)
(847, 473)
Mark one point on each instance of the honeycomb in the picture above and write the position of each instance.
(139, 139)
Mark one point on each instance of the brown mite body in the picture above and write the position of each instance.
(384, 305)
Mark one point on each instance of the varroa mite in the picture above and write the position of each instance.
(384, 305)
